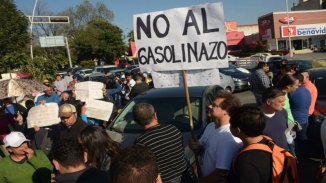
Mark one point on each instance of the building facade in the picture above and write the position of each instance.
(304, 29)
(307, 5)
(240, 35)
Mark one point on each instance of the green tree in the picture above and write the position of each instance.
(41, 68)
(13, 36)
(87, 64)
(100, 40)
(82, 14)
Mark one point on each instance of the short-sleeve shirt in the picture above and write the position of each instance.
(220, 148)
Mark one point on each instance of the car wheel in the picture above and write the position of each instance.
(228, 89)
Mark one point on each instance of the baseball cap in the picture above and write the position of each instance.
(46, 81)
(66, 110)
(14, 139)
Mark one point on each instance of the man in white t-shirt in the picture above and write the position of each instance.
(217, 145)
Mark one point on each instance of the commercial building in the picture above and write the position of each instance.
(240, 35)
(305, 29)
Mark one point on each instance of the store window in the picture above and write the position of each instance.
(282, 45)
(305, 44)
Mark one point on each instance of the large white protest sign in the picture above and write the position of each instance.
(165, 79)
(98, 109)
(89, 89)
(43, 115)
(181, 39)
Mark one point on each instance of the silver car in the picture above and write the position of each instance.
(227, 82)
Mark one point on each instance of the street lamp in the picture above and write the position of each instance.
(35, 3)
(289, 29)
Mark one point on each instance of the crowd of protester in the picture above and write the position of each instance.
(240, 144)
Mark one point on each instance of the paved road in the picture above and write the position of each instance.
(311, 56)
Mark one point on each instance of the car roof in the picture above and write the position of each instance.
(317, 71)
(95, 74)
(105, 66)
(196, 91)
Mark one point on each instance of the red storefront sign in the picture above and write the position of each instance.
(291, 30)
(286, 20)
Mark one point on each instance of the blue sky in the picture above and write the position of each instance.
(242, 11)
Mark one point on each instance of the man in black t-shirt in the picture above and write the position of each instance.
(254, 166)
(165, 141)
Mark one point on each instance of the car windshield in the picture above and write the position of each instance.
(169, 111)
(88, 71)
(301, 64)
(108, 69)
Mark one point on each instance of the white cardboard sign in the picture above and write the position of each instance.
(165, 79)
(181, 39)
(98, 109)
(43, 115)
(89, 90)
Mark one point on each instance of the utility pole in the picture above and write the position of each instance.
(68, 51)
(289, 29)
(35, 3)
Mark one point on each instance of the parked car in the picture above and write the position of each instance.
(73, 70)
(316, 150)
(100, 77)
(62, 74)
(84, 72)
(244, 70)
(318, 77)
(227, 82)
(276, 58)
(232, 58)
(241, 79)
(171, 107)
(105, 68)
(301, 65)
(118, 72)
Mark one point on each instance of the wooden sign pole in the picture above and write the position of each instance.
(191, 122)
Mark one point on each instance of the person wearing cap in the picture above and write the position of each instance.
(46, 82)
(72, 124)
(23, 164)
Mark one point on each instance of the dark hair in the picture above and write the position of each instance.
(299, 76)
(284, 61)
(69, 153)
(143, 113)
(134, 164)
(58, 75)
(249, 119)
(230, 101)
(98, 145)
(139, 77)
(260, 65)
(286, 81)
(29, 104)
(127, 74)
(271, 93)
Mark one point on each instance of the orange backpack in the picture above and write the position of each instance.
(284, 163)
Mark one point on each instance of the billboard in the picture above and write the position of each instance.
(52, 41)
(303, 30)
